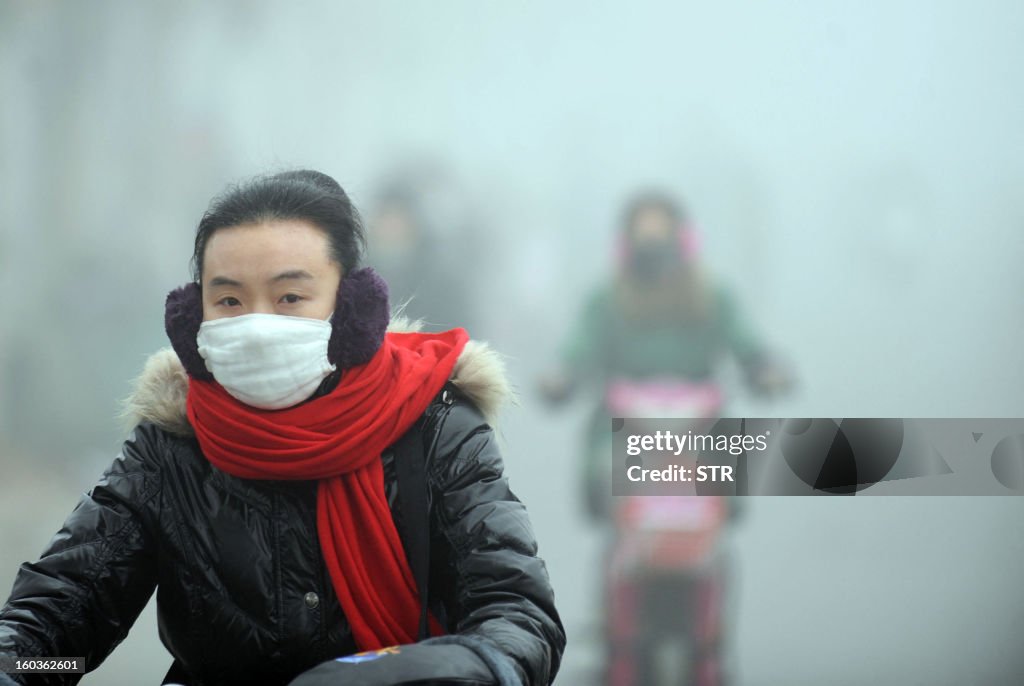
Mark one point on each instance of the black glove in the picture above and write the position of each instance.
(434, 662)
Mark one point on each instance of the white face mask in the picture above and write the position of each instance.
(269, 361)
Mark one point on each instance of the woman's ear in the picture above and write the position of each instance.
(360, 319)
(183, 313)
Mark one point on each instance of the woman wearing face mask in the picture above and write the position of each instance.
(261, 492)
(650, 343)
(661, 316)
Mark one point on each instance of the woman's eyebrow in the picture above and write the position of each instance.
(290, 275)
(224, 281)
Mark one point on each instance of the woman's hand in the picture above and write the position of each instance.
(769, 378)
(556, 388)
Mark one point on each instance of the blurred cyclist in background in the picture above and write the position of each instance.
(660, 317)
(650, 344)
(419, 241)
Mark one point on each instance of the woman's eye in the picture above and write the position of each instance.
(291, 298)
(229, 302)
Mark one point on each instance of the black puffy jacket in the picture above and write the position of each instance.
(243, 594)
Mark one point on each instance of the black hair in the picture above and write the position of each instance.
(300, 194)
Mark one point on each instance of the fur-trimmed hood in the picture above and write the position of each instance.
(161, 389)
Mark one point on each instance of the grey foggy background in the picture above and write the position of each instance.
(856, 171)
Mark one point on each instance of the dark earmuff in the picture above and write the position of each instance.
(358, 326)
(360, 319)
(183, 313)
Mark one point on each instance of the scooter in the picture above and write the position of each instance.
(666, 566)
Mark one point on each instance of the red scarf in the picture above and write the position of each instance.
(338, 439)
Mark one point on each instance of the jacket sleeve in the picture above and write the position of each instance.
(96, 574)
(738, 333)
(495, 589)
(585, 355)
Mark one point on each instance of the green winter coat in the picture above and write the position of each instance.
(606, 344)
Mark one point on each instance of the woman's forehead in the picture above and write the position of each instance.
(288, 245)
(653, 222)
